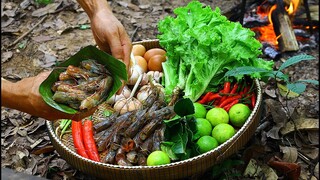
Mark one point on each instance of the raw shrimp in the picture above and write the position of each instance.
(69, 98)
(94, 67)
(91, 85)
(94, 99)
(70, 88)
(79, 73)
(64, 76)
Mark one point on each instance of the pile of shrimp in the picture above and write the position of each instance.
(129, 138)
(82, 87)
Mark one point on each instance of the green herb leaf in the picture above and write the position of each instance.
(246, 70)
(294, 60)
(296, 87)
(173, 121)
(166, 147)
(285, 92)
(184, 107)
(309, 81)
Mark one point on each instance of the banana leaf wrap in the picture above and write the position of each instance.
(116, 67)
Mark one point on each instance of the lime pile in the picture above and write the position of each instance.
(215, 126)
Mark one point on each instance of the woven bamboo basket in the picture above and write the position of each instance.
(177, 170)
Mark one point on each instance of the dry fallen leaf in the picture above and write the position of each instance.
(290, 154)
(316, 170)
(313, 137)
(300, 124)
(257, 171)
(5, 56)
(290, 170)
(311, 153)
(50, 8)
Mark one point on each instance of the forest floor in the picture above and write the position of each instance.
(62, 28)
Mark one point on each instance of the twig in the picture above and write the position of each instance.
(134, 33)
(26, 33)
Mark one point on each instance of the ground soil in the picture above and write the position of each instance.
(25, 145)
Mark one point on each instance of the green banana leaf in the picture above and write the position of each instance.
(116, 67)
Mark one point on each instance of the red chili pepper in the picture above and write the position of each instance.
(76, 127)
(226, 90)
(253, 99)
(88, 140)
(214, 96)
(227, 87)
(234, 88)
(228, 106)
(210, 96)
(204, 100)
(229, 100)
(245, 90)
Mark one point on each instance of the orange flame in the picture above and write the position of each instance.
(267, 32)
(293, 7)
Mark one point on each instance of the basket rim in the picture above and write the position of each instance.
(217, 150)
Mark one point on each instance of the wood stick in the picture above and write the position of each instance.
(283, 29)
(26, 33)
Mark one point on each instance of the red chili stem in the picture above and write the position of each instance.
(88, 140)
(77, 136)
(229, 100)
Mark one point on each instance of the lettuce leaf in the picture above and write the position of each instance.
(201, 46)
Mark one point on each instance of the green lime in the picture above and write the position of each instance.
(158, 158)
(207, 143)
(204, 128)
(199, 110)
(217, 115)
(222, 132)
(238, 114)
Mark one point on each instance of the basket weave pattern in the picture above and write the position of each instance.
(176, 170)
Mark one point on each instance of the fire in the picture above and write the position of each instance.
(293, 6)
(267, 33)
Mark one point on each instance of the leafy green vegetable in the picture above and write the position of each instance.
(115, 67)
(291, 89)
(179, 132)
(201, 46)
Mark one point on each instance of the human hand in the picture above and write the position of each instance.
(111, 36)
(24, 96)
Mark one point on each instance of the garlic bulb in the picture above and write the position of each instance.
(124, 105)
(126, 91)
(135, 72)
(147, 89)
(155, 77)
